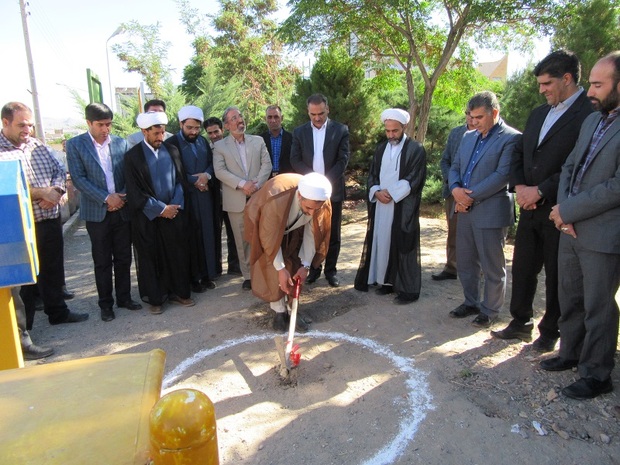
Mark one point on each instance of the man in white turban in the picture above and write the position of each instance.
(197, 159)
(390, 257)
(155, 181)
(288, 224)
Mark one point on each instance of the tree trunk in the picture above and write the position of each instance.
(425, 110)
(413, 104)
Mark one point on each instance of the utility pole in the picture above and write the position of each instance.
(40, 132)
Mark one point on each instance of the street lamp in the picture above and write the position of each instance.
(119, 30)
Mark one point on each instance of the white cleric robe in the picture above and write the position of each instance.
(384, 212)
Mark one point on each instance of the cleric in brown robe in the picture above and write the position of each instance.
(287, 224)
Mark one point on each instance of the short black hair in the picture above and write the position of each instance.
(558, 63)
(154, 103)
(316, 99)
(97, 112)
(212, 121)
(486, 99)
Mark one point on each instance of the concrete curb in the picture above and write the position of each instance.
(70, 222)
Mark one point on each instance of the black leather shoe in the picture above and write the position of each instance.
(130, 305)
(107, 314)
(72, 317)
(384, 290)
(333, 280)
(313, 275)
(588, 388)
(443, 276)
(558, 364)
(247, 285)
(34, 352)
(482, 321)
(279, 322)
(208, 283)
(463, 311)
(544, 344)
(300, 323)
(67, 295)
(198, 288)
(515, 331)
(403, 299)
(234, 271)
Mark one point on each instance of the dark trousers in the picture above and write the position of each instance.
(221, 220)
(51, 275)
(536, 244)
(334, 240)
(589, 281)
(111, 249)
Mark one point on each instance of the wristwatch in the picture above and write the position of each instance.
(307, 268)
(540, 193)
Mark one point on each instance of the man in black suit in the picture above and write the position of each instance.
(278, 141)
(322, 145)
(550, 135)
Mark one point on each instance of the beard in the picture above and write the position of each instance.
(191, 137)
(609, 103)
(396, 140)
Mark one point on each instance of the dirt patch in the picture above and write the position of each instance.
(378, 383)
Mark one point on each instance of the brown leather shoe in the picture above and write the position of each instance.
(181, 301)
(156, 309)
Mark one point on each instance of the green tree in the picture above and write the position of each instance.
(145, 53)
(341, 79)
(591, 29)
(417, 35)
(246, 49)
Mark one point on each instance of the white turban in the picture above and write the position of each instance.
(151, 118)
(395, 114)
(315, 186)
(190, 111)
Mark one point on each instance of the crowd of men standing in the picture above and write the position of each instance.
(280, 197)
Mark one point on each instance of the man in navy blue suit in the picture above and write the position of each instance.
(96, 160)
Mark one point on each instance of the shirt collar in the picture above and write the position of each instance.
(569, 101)
(105, 143)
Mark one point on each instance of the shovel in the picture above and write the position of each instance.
(289, 357)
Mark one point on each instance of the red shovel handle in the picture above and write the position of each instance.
(296, 287)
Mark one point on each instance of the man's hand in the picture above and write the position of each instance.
(250, 187)
(302, 273)
(285, 281)
(566, 228)
(202, 183)
(115, 201)
(383, 196)
(462, 200)
(527, 196)
(170, 211)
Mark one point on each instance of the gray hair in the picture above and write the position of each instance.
(228, 110)
(487, 100)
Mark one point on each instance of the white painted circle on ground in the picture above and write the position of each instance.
(419, 399)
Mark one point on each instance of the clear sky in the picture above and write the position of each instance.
(68, 36)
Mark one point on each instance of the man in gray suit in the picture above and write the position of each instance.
(242, 163)
(479, 183)
(96, 161)
(322, 146)
(447, 157)
(588, 215)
